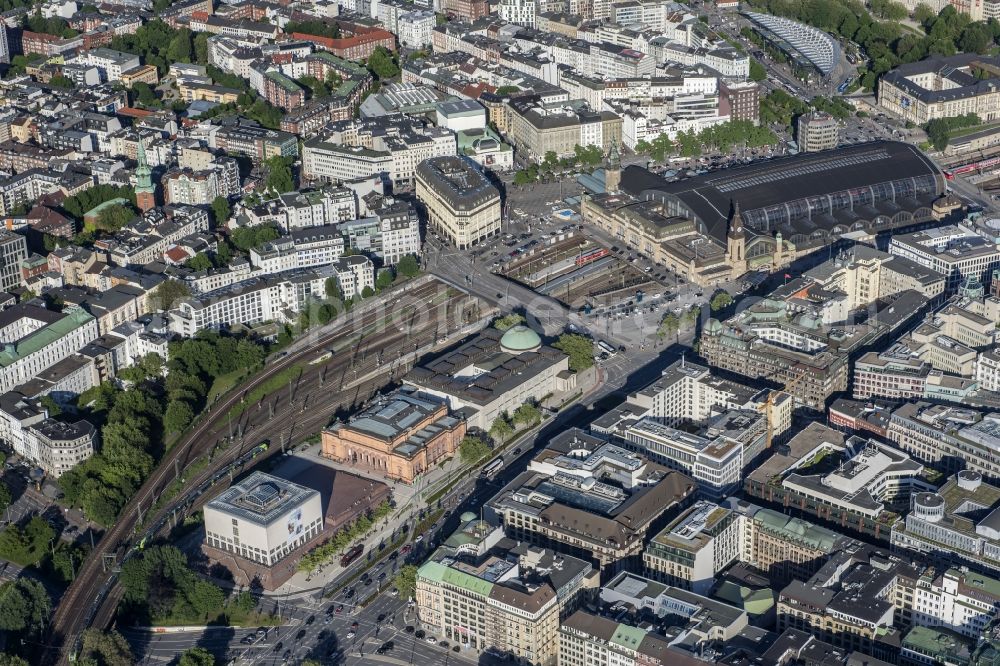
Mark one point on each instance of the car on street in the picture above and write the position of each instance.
(381, 617)
(409, 629)
(278, 646)
(431, 640)
(340, 609)
(354, 625)
(351, 634)
(299, 636)
(310, 620)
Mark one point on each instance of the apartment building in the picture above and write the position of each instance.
(277, 297)
(302, 248)
(13, 251)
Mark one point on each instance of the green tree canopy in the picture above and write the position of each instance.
(24, 607)
(279, 175)
(501, 429)
(220, 210)
(383, 63)
(406, 581)
(527, 414)
(105, 648)
(721, 300)
(472, 449)
(169, 293)
(197, 657)
(579, 348)
(408, 266)
(508, 322)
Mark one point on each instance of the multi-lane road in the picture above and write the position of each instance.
(372, 349)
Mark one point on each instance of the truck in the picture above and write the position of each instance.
(351, 555)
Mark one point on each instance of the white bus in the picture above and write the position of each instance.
(491, 468)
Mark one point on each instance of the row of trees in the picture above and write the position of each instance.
(131, 441)
(591, 156)
(324, 553)
(939, 129)
(720, 137)
(504, 426)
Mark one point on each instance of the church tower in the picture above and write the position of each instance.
(145, 191)
(613, 169)
(736, 240)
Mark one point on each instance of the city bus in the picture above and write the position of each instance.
(491, 468)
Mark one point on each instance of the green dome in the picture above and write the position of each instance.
(519, 339)
(713, 327)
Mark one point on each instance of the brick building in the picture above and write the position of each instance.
(400, 437)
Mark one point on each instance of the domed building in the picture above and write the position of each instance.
(519, 339)
(494, 374)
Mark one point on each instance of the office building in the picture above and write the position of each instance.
(692, 549)
(843, 481)
(35, 338)
(538, 127)
(595, 500)
(506, 602)
(956, 524)
(817, 131)
(955, 251)
(949, 438)
(460, 202)
(942, 87)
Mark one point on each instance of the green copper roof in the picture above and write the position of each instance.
(439, 573)
(818, 538)
(520, 338)
(46, 335)
(143, 174)
(627, 636)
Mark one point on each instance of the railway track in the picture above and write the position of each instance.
(95, 585)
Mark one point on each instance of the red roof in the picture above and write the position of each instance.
(177, 254)
(133, 112)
